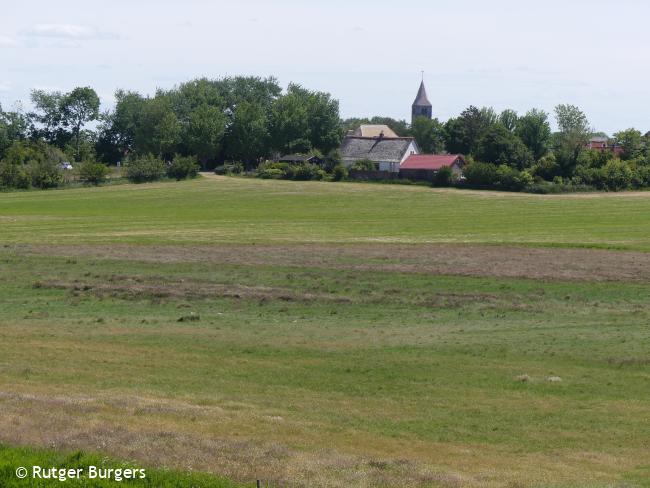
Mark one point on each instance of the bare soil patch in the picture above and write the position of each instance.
(441, 259)
(133, 287)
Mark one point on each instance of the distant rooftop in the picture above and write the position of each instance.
(375, 131)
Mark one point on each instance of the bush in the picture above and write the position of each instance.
(233, 168)
(616, 175)
(287, 171)
(480, 175)
(339, 172)
(510, 179)
(146, 168)
(444, 177)
(546, 168)
(93, 173)
(14, 175)
(364, 165)
(183, 167)
(271, 174)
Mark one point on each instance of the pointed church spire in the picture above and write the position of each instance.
(421, 100)
(421, 106)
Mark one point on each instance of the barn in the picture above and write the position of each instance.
(425, 166)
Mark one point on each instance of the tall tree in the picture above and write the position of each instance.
(429, 134)
(572, 137)
(79, 107)
(117, 131)
(158, 131)
(247, 138)
(500, 146)
(464, 132)
(203, 132)
(509, 119)
(48, 121)
(535, 132)
(302, 120)
(631, 141)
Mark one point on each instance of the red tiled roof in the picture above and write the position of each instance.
(430, 161)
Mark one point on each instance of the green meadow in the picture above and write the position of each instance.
(321, 334)
(237, 210)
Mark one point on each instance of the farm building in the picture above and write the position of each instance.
(386, 153)
(300, 158)
(375, 131)
(425, 166)
(603, 144)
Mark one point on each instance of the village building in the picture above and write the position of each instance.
(602, 144)
(300, 158)
(425, 166)
(387, 154)
(368, 130)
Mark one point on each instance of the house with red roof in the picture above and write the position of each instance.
(425, 166)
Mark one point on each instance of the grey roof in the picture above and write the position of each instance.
(375, 149)
(421, 100)
(297, 158)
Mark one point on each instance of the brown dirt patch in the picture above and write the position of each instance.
(132, 287)
(442, 259)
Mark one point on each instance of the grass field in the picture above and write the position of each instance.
(320, 334)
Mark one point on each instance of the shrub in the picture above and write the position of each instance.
(232, 168)
(616, 175)
(511, 179)
(481, 175)
(93, 173)
(364, 165)
(444, 177)
(183, 167)
(546, 168)
(287, 171)
(339, 172)
(14, 175)
(271, 174)
(145, 168)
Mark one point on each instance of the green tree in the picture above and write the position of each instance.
(464, 132)
(79, 107)
(247, 138)
(631, 141)
(572, 138)
(117, 131)
(429, 134)
(302, 120)
(509, 119)
(535, 132)
(500, 146)
(204, 131)
(48, 117)
(158, 130)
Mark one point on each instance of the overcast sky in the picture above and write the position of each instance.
(367, 53)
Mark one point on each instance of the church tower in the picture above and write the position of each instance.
(421, 106)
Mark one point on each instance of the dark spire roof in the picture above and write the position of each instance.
(421, 100)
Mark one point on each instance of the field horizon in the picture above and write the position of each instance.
(330, 334)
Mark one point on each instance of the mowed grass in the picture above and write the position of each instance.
(219, 209)
(335, 373)
(12, 459)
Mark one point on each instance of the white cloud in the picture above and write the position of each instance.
(8, 42)
(67, 31)
(5, 86)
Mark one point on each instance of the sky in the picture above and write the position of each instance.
(369, 54)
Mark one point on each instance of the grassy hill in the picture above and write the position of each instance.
(313, 334)
(247, 210)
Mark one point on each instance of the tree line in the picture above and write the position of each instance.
(521, 152)
(242, 122)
